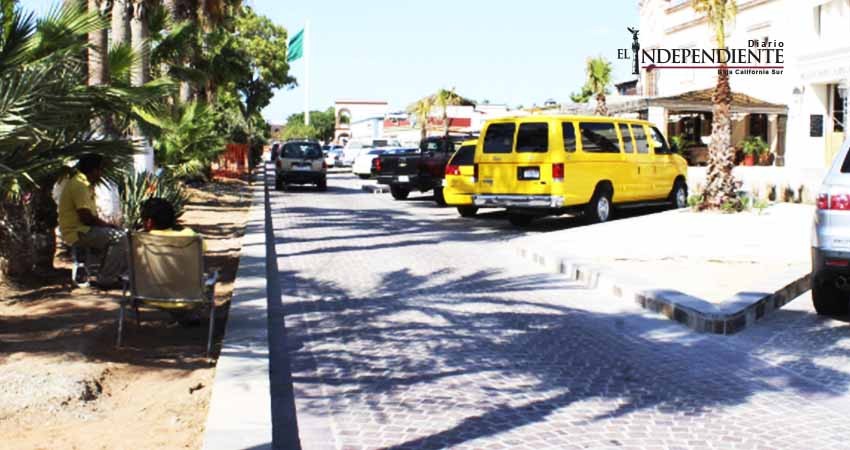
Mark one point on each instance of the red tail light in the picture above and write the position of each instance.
(837, 263)
(558, 172)
(834, 201)
(452, 170)
(376, 164)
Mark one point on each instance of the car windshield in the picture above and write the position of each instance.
(302, 150)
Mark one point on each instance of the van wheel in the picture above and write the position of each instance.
(467, 211)
(439, 197)
(599, 209)
(828, 300)
(398, 193)
(520, 220)
(679, 195)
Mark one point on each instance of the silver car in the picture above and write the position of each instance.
(831, 239)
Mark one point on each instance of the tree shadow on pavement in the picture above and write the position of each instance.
(482, 354)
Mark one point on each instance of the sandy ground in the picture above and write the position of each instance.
(63, 384)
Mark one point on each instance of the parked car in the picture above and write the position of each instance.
(333, 156)
(548, 165)
(301, 162)
(421, 170)
(459, 183)
(831, 239)
(362, 166)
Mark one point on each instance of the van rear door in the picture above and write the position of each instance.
(514, 159)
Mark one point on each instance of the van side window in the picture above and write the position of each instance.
(499, 138)
(569, 131)
(533, 137)
(661, 147)
(628, 145)
(599, 138)
(640, 139)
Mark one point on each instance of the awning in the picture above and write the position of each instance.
(697, 101)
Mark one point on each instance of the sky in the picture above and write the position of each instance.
(507, 52)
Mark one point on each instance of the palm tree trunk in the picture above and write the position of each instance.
(140, 34)
(601, 105)
(122, 10)
(98, 50)
(446, 119)
(720, 184)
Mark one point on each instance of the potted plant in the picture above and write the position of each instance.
(753, 147)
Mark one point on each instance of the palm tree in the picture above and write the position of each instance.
(46, 112)
(598, 78)
(98, 46)
(422, 110)
(445, 98)
(122, 10)
(139, 36)
(720, 184)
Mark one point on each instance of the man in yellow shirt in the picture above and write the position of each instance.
(81, 227)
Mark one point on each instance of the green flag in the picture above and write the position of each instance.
(296, 47)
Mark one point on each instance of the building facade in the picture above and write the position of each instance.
(799, 112)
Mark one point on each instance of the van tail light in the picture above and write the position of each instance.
(376, 164)
(834, 201)
(452, 170)
(558, 172)
(475, 171)
(837, 263)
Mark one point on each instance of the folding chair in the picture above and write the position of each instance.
(167, 272)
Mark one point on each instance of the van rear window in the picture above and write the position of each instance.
(599, 138)
(533, 138)
(499, 138)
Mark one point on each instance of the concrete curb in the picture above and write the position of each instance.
(728, 317)
(252, 405)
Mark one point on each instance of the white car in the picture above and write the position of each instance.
(354, 148)
(363, 164)
(333, 157)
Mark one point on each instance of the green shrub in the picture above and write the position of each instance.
(135, 188)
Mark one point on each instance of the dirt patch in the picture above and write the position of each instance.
(64, 385)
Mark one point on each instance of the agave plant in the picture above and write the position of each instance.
(136, 188)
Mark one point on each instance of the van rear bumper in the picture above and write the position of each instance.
(521, 201)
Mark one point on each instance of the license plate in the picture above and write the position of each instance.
(301, 168)
(404, 179)
(531, 174)
(444, 183)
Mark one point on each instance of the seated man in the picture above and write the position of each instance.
(159, 218)
(81, 227)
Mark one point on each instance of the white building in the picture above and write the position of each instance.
(357, 116)
(800, 112)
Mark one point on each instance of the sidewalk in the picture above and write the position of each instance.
(713, 272)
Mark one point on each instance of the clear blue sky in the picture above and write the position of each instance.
(514, 52)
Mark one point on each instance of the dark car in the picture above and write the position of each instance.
(301, 162)
(422, 169)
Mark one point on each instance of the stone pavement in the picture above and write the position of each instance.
(408, 327)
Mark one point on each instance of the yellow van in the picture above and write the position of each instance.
(542, 165)
(459, 183)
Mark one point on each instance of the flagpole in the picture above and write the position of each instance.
(307, 72)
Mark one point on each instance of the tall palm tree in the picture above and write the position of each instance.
(445, 98)
(598, 79)
(98, 46)
(422, 110)
(139, 36)
(122, 10)
(720, 184)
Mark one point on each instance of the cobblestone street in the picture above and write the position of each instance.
(409, 327)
